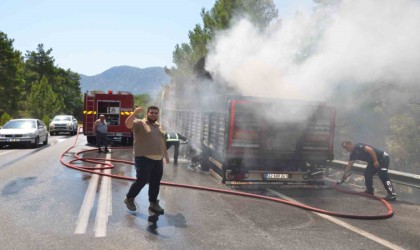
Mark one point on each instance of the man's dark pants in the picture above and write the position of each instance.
(176, 149)
(101, 140)
(382, 171)
(147, 171)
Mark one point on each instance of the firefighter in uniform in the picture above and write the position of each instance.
(378, 162)
(174, 139)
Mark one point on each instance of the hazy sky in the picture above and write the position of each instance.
(90, 36)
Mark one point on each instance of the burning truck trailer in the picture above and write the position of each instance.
(246, 140)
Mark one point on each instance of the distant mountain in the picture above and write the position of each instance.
(126, 78)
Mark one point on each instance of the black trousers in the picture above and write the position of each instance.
(176, 149)
(101, 139)
(382, 171)
(147, 171)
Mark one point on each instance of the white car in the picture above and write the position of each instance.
(24, 131)
(63, 123)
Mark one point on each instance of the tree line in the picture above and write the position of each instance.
(31, 85)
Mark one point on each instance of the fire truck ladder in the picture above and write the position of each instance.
(90, 112)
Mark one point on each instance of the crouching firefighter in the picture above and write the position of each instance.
(174, 139)
(378, 162)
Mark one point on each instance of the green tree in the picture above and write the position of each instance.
(403, 142)
(259, 12)
(40, 63)
(46, 120)
(5, 117)
(68, 87)
(142, 100)
(43, 100)
(11, 76)
(220, 17)
(64, 83)
(19, 75)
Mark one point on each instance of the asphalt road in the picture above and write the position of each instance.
(45, 205)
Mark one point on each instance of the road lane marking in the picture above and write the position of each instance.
(344, 224)
(110, 196)
(104, 203)
(87, 205)
(61, 140)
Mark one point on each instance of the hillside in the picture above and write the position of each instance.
(126, 78)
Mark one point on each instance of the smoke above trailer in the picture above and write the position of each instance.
(349, 42)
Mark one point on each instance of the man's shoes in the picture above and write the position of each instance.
(99, 151)
(391, 197)
(106, 150)
(129, 202)
(154, 207)
(175, 163)
(369, 192)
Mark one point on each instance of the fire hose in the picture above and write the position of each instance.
(106, 165)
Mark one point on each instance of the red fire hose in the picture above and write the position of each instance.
(94, 170)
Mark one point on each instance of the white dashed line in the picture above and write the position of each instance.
(61, 140)
(87, 205)
(104, 209)
(104, 204)
(344, 224)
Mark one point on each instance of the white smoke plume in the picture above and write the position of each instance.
(351, 41)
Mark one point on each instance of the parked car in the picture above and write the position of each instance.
(63, 123)
(24, 131)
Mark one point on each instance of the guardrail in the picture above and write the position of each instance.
(396, 176)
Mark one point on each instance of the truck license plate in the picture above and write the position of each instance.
(10, 140)
(271, 176)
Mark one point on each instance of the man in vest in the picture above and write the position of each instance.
(174, 139)
(100, 129)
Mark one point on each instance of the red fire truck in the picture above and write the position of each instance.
(116, 107)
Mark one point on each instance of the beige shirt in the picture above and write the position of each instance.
(149, 140)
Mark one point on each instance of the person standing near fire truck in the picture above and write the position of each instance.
(100, 128)
(149, 150)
